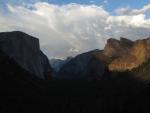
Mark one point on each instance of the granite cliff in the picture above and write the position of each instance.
(136, 55)
(25, 50)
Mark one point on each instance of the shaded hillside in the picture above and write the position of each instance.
(143, 72)
(82, 66)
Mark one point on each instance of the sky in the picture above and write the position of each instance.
(70, 27)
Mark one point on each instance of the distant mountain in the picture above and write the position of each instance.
(25, 51)
(58, 63)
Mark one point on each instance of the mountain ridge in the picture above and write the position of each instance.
(118, 55)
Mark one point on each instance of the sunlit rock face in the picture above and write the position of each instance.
(25, 50)
(115, 48)
(133, 58)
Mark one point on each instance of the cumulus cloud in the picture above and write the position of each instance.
(128, 11)
(141, 11)
(123, 11)
(68, 30)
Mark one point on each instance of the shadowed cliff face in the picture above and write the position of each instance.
(133, 58)
(25, 50)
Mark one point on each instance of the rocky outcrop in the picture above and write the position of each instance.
(136, 56)
(25, 50)
(115, 48)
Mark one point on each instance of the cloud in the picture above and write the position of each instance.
(128, 11)
(141, 11)
(70, 29)
(123, 11)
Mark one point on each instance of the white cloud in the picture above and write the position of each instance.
(73, 28)
(123, 11)
(128, 11)
(141, 11)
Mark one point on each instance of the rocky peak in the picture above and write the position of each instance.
(25, 50)
(16, 39)
(114, 48)
(126, 42)
(136, 56)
